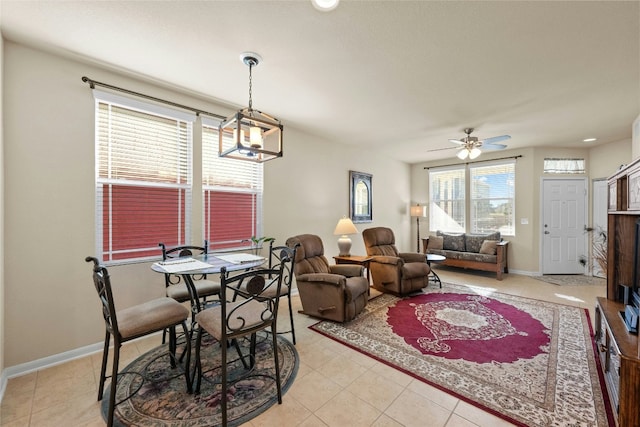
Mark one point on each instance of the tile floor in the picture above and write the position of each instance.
(335, 386)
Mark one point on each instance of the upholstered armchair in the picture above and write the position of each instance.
(392, 271)
(333, 292)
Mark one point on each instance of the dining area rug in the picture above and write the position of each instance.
(527, 361)
(162, 398)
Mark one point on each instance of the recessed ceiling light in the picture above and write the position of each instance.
(325, 5)
(589, 140)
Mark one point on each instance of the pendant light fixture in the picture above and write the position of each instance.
(250, 134)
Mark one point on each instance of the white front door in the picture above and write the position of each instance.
(564, 207)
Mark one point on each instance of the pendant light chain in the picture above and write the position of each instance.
(250, 85)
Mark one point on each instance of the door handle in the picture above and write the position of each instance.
(547, 232)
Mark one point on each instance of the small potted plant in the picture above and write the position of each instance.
(257, 242)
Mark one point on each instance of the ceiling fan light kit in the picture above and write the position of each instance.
(470, 145)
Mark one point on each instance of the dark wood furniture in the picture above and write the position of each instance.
(619, 349)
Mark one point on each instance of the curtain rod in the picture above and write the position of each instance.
(469, 163)
(94, 83)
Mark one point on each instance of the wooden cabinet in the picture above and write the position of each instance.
(619, 350)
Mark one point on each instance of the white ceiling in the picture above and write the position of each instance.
(399, 76)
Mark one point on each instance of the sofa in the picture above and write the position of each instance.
(485, 252)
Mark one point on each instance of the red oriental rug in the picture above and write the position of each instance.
(529, 362)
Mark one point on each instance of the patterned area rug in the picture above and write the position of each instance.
(571, 279)
(527, 361)
(163, 400)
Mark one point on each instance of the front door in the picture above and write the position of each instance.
(564, 207)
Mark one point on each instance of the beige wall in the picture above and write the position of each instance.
(524, 256)
(2, 299)
(51, 306)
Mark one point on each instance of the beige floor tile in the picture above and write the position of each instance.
(411, 409)
(382, 369)
(316, 354)
(16, 406)
(21, 384)
(386, 421)
(342, 370)
(436, 395)
(478, 416)
(312, 421)
(347, 409)
(72, 412)
(313, 390)
(290, 413)
(20, 422)
(457, 421)
(376, 390)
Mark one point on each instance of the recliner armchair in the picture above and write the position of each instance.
(393, 271)
(333, 292)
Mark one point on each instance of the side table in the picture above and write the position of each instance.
(435, 258)
(355, 259)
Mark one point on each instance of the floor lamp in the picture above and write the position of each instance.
(418, 212)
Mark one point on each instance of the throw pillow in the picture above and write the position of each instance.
(488, 247)
(435, 242)
(453, 242)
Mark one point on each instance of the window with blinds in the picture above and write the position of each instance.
(447, 194)
(474, 198)
(232, 191)
(143, 179)
(492, 198)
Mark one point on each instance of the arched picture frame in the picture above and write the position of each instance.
(360, 197)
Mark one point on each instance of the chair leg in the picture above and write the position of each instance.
(187, 363)
(197, 370)
(293, 331)
(274, 335)
(114, 383)
(223, 397)
(172, 346)
(103, 369)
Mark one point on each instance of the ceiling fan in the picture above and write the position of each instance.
(470, 146)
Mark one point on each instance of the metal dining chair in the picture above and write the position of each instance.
(244, 310)
(134, 322)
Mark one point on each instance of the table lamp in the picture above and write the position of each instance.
(418, 212)
(343, 229)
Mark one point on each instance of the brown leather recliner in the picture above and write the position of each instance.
(392, 271)
(333, 292)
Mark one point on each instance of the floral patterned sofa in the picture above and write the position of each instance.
(486, 252)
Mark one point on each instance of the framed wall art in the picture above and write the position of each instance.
(360, 197)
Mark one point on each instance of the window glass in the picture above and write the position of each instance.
(143, 181)
(492, 198)
(563, 165)
(232, 191)
(447, 194)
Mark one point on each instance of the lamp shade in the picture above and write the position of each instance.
(419, 211)
(345, 226)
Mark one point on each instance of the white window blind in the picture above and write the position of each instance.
(143, 179)
(232, 191)
(492, 198)
(447, 196)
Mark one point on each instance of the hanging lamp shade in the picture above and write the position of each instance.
(250, 134)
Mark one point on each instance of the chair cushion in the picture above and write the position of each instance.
(473, 242)
(435, 242)
(241, 314)
(310, 254)
(205, 288)
(488, 247)
(453, 242)
(151, 316)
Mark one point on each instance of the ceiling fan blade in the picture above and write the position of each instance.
(457, 141)
(496, 139)
(490, 147)
(440, 149)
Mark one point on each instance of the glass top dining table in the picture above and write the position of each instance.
(189, 266)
